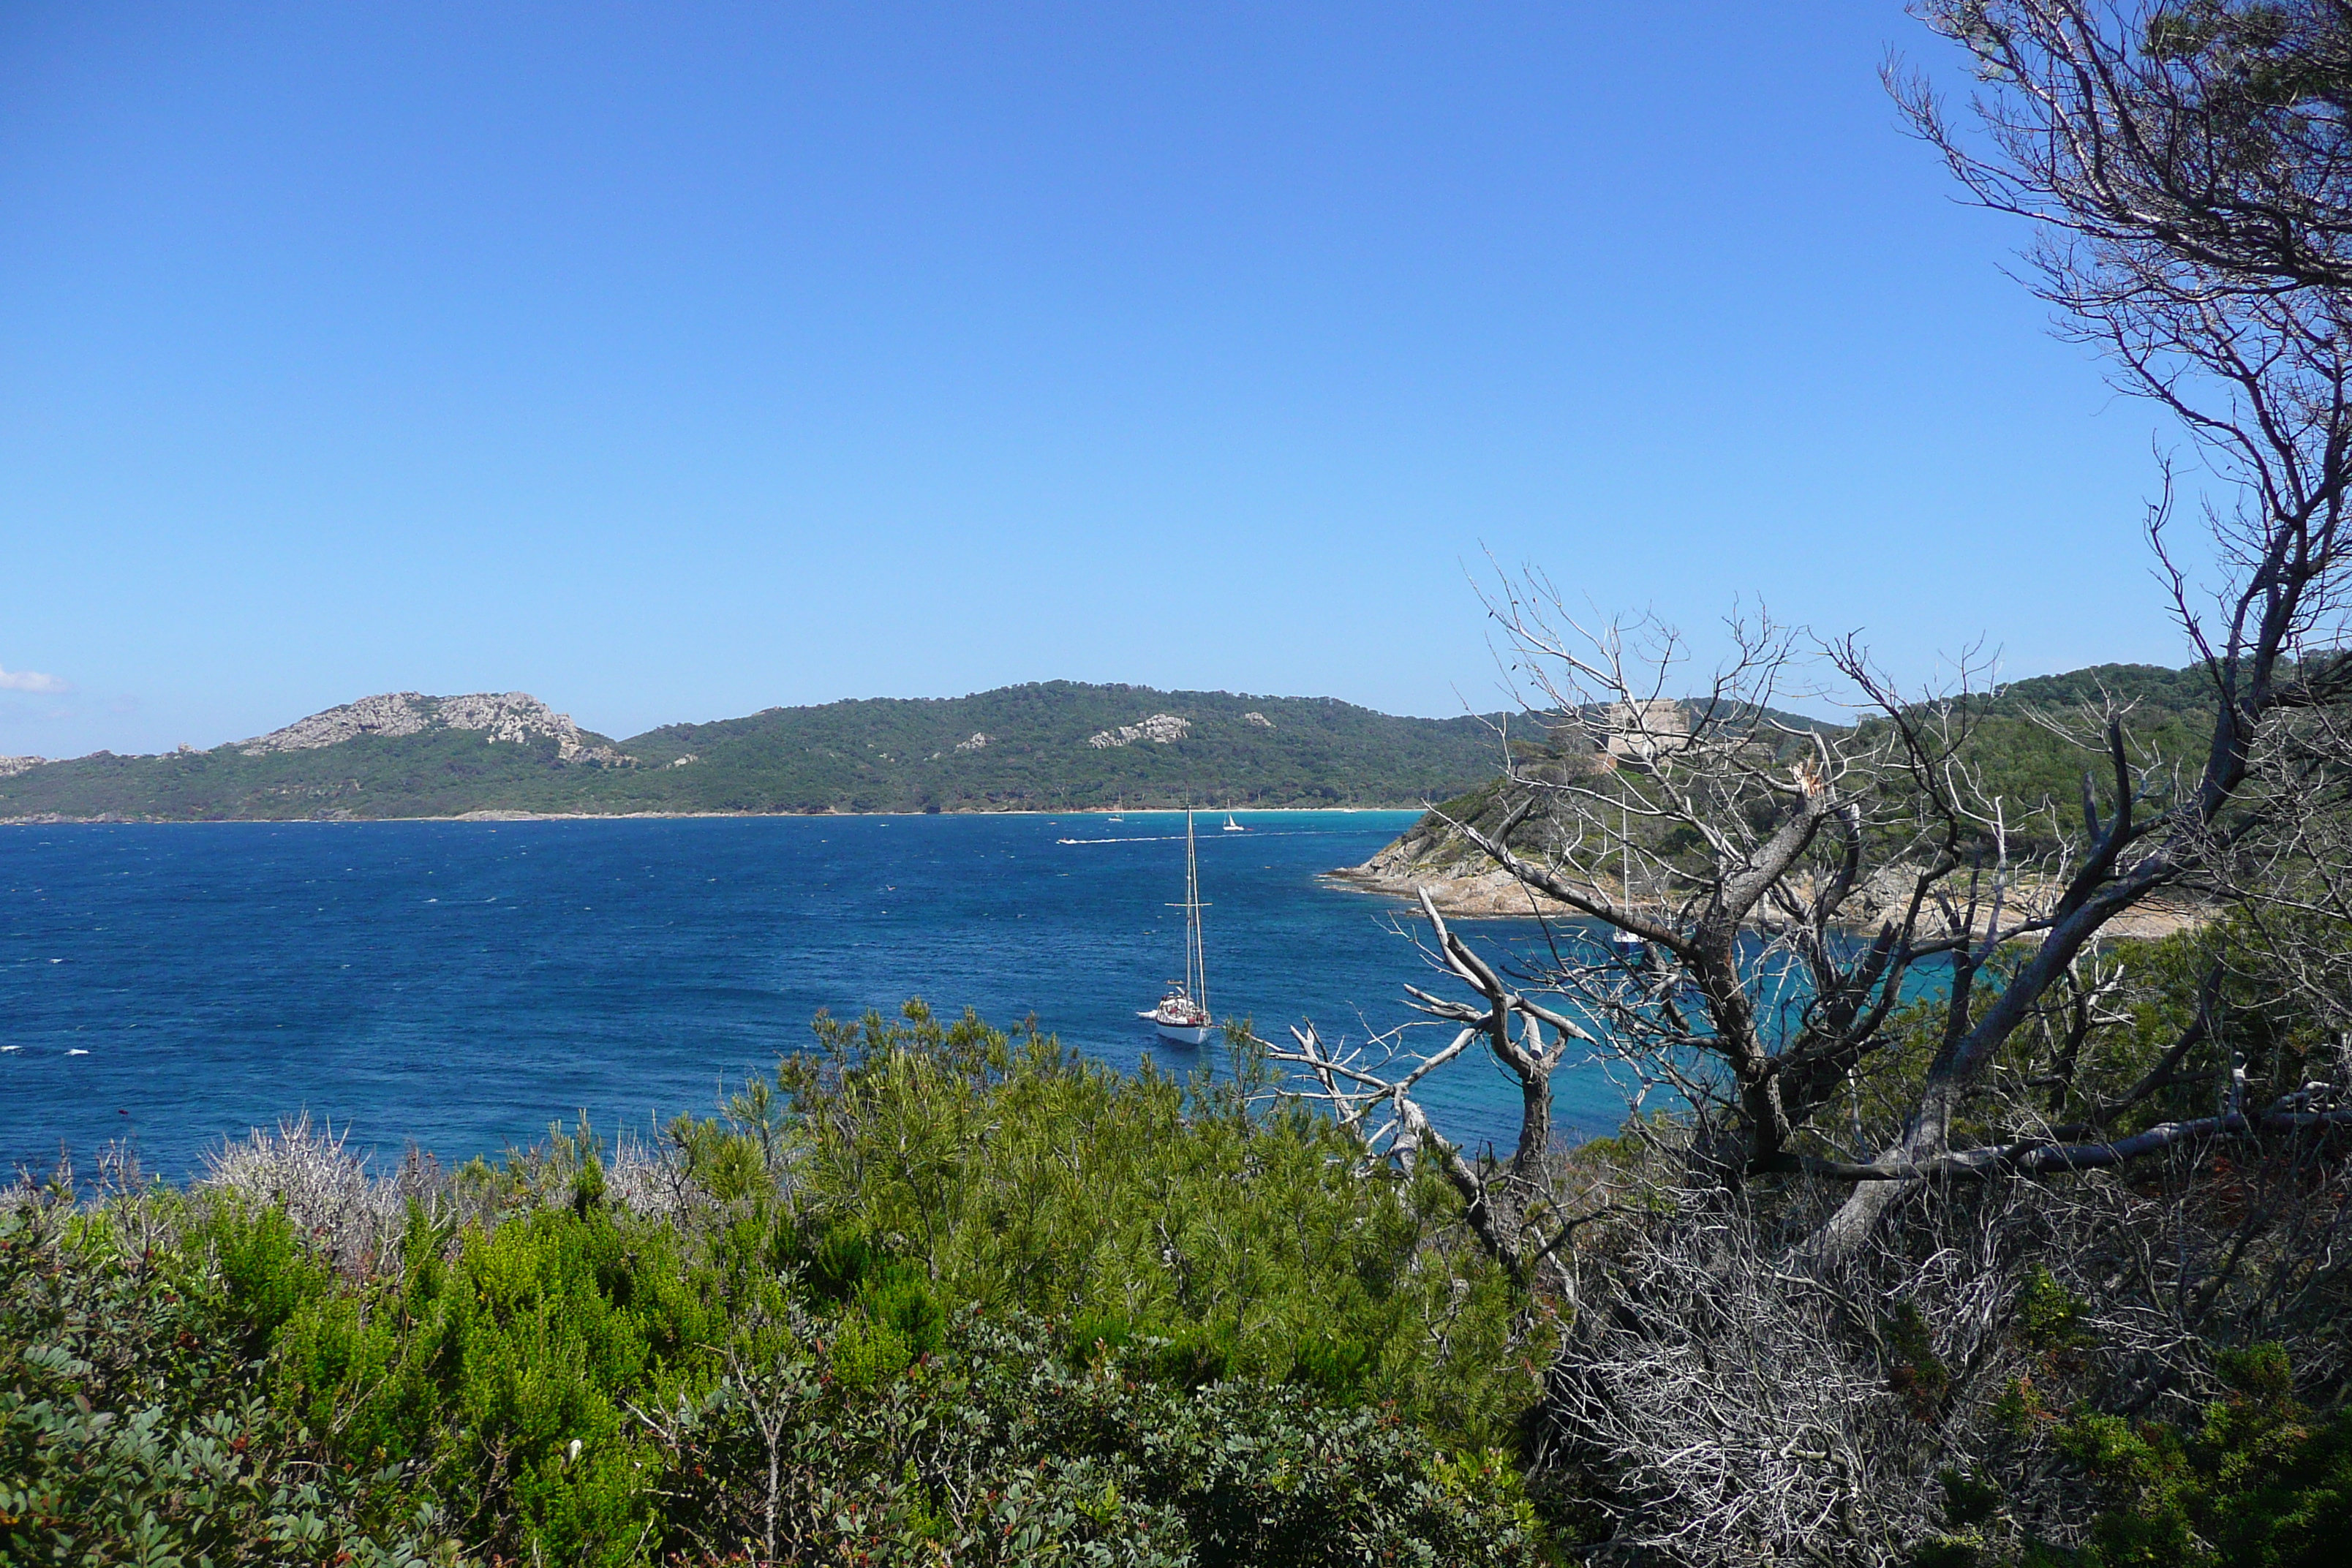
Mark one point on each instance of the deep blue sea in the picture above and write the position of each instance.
(461, 985)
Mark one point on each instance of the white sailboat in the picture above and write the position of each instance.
(1233, 826)
(1183, 1015)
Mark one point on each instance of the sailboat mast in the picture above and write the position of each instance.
(1196, 957)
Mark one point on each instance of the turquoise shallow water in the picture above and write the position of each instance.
(461, 985)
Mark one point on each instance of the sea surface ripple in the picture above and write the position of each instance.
(461, 985)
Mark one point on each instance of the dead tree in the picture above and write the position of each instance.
(2153, 145)
(2188, 172)
(1726, 843)
(1799, 900)
(2156, 148)
(1508, 1203)
(2212, 140)
(1783, 885)
(1742, 852)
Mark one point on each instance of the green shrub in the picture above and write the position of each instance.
(1014, 1174)
(2261, 1483)
(899, 1301)
(133, 1425)
(942, 1291)
(505, 1375)
(866, 1353)
(265, 1273)
(1005, 1450)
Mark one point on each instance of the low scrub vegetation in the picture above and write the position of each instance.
(937, 1293)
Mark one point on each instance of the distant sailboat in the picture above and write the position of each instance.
(1183, 1015)
(1233, 826)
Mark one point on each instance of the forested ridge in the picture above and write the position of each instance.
(1024, 747)
(1053, 745)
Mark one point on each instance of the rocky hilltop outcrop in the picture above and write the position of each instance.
(11, 766)
(1160, 730)
(515, 717)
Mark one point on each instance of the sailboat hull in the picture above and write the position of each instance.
(1183, 1014)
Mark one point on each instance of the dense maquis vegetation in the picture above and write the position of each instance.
(890, 755)
(937, 1294)
(1964, 1232)
(882, 754)
(2071, 1433)
(902, 755)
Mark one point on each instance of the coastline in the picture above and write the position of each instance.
(1489, 896)
(493, 814)
(1495, 895)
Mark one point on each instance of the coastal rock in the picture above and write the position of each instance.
(1888, 890)
(11, 766)
(1491, 894)
(1461, 879)
(1465, 884)
(1161, 729)
(515, 716)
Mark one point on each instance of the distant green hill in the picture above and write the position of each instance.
(2150, 689)
(1058, 745)
(2038, 772)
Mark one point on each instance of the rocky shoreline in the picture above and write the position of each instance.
(1464, 885)
(1493, 894)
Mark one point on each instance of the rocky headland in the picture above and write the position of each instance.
(1465, 884)
(1462, 881)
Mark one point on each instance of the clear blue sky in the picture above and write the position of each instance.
(672, 361)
